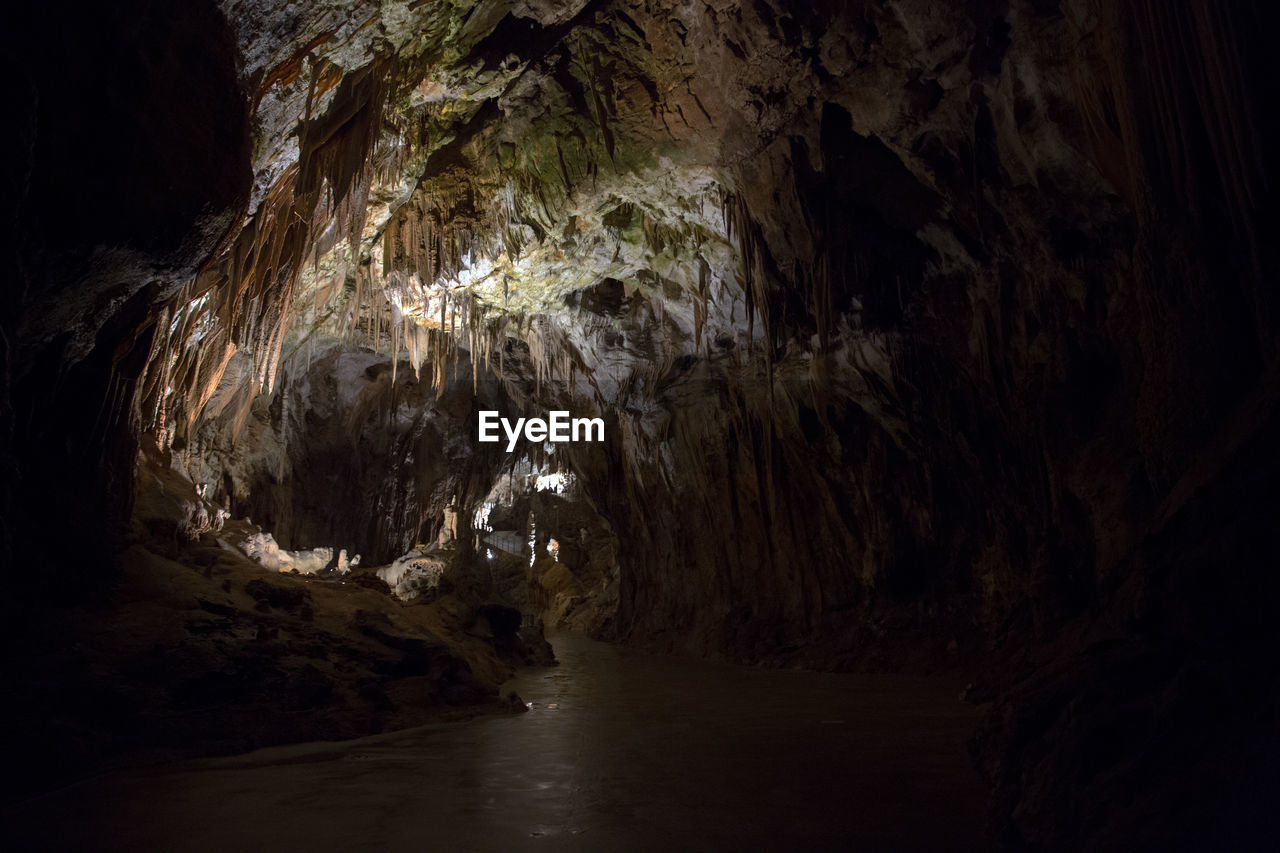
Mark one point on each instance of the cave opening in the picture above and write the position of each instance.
(684, 425)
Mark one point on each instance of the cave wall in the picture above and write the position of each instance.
(112, 200)
(1065, 360)
(1042, 318)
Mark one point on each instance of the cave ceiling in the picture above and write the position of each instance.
(614, 185)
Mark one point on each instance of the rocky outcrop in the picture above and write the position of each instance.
(195, 649)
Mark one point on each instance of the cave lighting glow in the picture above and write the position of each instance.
(556, 482)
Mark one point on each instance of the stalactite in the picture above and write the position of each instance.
(253, 276)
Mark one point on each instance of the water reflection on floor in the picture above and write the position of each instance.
(622, 751)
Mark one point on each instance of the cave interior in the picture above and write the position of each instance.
(934, 340)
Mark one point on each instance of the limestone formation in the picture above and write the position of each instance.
(924, 336)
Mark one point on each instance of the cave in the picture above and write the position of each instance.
(620, 425)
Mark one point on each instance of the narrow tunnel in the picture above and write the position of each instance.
(594, 424)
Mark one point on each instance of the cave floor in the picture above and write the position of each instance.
(621, 751)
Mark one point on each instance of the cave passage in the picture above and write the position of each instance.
(621, 751)
(920, 358)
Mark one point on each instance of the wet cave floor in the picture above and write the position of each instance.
(621, 751)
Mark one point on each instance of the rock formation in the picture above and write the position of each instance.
(926, 336)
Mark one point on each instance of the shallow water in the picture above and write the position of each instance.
(622, 751)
